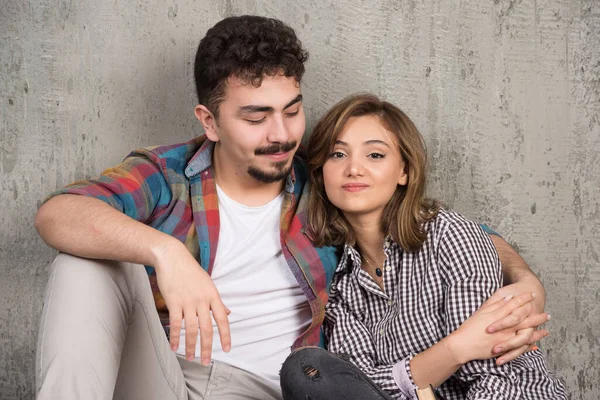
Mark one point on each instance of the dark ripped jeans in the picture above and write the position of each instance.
(313, 374)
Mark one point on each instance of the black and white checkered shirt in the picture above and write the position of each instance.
(428, 294)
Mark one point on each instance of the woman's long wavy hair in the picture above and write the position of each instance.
(408, 209)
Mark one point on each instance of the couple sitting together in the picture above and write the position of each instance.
(271, 275)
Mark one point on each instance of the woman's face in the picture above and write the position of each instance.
(364, 167)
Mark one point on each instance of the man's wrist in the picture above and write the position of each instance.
(534, 285)
(162, 250)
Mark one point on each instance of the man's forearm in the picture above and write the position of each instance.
(515, 270)
(87, 227)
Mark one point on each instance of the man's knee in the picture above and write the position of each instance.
(72, 270)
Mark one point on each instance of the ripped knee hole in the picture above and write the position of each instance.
(311, 372)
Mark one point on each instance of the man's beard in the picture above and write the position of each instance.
(282, 170)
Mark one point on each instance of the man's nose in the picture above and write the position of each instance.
(278, 131)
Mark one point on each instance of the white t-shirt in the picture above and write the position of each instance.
(268, 308)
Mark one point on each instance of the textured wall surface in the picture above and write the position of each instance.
(506, 92)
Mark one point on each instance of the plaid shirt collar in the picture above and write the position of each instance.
(202, 161)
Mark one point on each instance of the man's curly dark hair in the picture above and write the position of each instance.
(247, 47)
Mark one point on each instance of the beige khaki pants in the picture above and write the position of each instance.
(100, 338)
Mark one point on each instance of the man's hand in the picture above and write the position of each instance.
(527, 335)
(520, 279)
(517, 275)
(191, 295)
(471, 341)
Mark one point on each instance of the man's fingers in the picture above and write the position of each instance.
(206, 335)
(191, 333)
(522, 338)
(513, 319)
(511, 355)
(174, 328)
(220, 313)
(536, 336)
(539, 335)
(495, 299)
(533, 321)
(512, 313)
(490, 307)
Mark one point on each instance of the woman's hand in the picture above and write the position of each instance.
(526, 336)
(474, 341)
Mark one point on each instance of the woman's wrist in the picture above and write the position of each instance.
(455, 347)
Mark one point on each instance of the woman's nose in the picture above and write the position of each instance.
(354, 167)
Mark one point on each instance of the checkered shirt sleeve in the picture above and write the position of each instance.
(428, 294)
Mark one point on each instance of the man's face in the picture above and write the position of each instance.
(259, 129)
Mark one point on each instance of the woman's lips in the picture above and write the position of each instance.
(354, 187)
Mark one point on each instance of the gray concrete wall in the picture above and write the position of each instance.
(507, 93)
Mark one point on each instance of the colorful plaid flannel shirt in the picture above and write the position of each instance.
(172, 189)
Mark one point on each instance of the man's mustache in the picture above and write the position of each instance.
(275, 148)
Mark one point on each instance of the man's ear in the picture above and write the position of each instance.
(208, 121)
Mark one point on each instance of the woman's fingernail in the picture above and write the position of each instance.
(534, 348)
(498, 349)
(491, 329)
(549, 317)
(507, 298)
(533, 295)
(500, 361)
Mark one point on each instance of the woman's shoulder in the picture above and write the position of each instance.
(451, 230)
(461, 246)
(448, 222)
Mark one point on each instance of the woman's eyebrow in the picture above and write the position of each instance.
(372, 141)
(377, 141)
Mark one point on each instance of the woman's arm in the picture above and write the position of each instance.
(469, 260)
(469, 342)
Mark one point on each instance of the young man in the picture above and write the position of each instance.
(218, 223)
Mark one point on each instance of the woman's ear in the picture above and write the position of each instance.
(403, 177)
(208, 121)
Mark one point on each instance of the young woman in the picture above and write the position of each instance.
(406, 301)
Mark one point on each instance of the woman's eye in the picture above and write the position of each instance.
(292, 114)
(376, 155)
(337, 154)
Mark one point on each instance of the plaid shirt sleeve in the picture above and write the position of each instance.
(136, 187)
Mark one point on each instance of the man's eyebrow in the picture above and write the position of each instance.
(291, 103)
(255, 109)
(268, 109)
